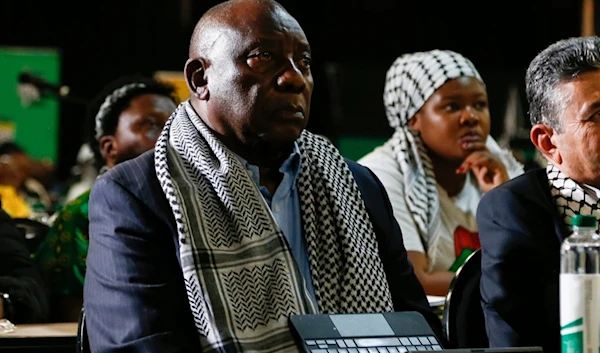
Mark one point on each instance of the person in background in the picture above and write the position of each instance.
(523, 222)
(240, 217)
(125, 119)
(23, 181)
(85, 170)
(440, 160)
(10, 177)
(23, 295)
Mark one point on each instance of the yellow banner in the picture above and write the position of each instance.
(176, 79)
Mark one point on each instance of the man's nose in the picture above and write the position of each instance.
(292, 78)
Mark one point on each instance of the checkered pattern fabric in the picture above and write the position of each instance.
(569, 197)
(414, 77)
(242, 281)
(410, 81)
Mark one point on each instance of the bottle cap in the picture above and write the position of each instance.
(581, 220)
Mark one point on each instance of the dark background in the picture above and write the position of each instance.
(353, 41)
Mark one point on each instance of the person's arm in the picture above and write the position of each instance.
(19, 277)
(513, 281)
(134, 293)
(435, 282)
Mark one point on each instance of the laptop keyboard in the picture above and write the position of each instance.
(374, 345)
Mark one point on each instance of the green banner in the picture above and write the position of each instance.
(355, 147)
(33, 125)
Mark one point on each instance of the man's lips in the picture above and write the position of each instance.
(290, 111)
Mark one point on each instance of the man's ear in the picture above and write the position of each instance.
(195, 77)
(108, 147)
(544, 139)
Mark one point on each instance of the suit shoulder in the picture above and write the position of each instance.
(527, 191)
(133, 171)
(360, 172)
(138, 177)
(369, 185)
(525, 184)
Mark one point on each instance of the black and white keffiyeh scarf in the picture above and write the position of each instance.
(410, 82)
(571, 198)
(241, 279)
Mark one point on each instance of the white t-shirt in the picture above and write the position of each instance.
(456, 211)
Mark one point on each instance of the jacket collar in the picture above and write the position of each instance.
(537, 190)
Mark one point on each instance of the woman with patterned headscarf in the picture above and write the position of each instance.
(439, 161)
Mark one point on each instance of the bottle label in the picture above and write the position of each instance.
(580, 313)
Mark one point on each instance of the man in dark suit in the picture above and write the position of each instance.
(523, 222)
(239, 217)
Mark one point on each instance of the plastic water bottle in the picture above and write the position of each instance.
(580, 287)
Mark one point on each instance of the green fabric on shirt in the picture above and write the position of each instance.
(61, 256)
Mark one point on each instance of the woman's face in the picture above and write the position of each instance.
(455, 120)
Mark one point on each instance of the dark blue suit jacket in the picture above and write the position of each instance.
(134, 292)
(521, 233)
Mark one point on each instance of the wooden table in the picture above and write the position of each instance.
(54, 337)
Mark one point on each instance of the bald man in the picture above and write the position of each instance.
(239, 217)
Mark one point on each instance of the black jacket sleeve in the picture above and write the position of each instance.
(19, 276)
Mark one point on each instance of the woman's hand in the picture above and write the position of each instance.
(487, 168)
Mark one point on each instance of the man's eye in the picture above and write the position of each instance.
(263, 55)
(153, 124)
(307, 60)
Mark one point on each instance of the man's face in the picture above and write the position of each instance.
(578, 145)
(259, 78)
(139, 126)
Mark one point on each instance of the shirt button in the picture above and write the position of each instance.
(276, 207)
(250, 173)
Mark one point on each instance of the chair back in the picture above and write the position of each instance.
(462, 318)
(83, 345)
(33, 231)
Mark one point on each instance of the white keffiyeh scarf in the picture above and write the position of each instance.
(410, 81)
(570, 198)
(241, 279)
